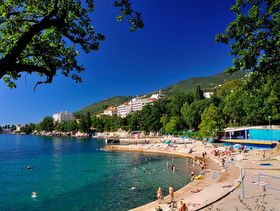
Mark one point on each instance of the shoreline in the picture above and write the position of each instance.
(195, 201)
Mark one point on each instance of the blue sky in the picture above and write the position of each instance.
(177, 42)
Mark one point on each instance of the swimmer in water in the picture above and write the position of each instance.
(173, 168)
(34, 194)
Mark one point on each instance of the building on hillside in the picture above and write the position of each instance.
(267, 135)
(138, 103)
(63, 116)
(124, 109)
(157, 96)
(111, 111)
(18, 127)
(207, 94)
(151, 100)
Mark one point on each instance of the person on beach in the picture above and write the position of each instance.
(159, 194)
(263, 154)
(159, 208)
(171, 193)
(192, 176)
(182, 206)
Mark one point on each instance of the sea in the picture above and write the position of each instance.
(76, 174)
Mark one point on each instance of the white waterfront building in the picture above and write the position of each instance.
(111, 111)
(124, 109)
(63, 116)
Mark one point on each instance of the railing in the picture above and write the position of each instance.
(269, 182)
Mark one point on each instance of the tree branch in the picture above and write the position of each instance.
(47, 22)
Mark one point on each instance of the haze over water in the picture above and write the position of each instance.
(73, 174)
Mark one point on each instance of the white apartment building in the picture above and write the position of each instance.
(111, 111)
(124, 109)
(63, 116)
(157, 96)
(138, 103)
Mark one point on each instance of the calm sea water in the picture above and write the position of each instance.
(73, 174)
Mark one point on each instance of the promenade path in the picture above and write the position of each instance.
(256, 197)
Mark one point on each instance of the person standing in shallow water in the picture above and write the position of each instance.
(173, 168)
(192, 176)
(171, 193)
(159, 194)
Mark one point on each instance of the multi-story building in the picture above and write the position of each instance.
(111, 111)
(63, 116)
(124, 109)
(137, 104)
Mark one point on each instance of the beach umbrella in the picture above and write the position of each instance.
(169, 142)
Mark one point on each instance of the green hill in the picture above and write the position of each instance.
(206, 84)
(96, 108)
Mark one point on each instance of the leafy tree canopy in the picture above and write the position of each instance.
(43, 36)
(211, 121)
(254, 37)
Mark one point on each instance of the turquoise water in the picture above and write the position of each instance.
(73, 174)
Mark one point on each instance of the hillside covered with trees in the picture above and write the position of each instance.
(185, 86)
(231, 104)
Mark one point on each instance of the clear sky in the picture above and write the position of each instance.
(177, 42)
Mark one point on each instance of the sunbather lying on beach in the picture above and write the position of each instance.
(196, 190)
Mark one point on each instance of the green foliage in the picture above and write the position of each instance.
(198, 93)
(254, 37)
(44, 36)
(253, 107)
(112, 123)
(97, 124)
(150, 118)
(134, 121)
(85, 123)
(205, 83)
(233, 108)
(46, 125)
(173, 125)
(231, 105)
(71, 126)
(228, 87)
(211, 121)
(192, 113)
(176, 101)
